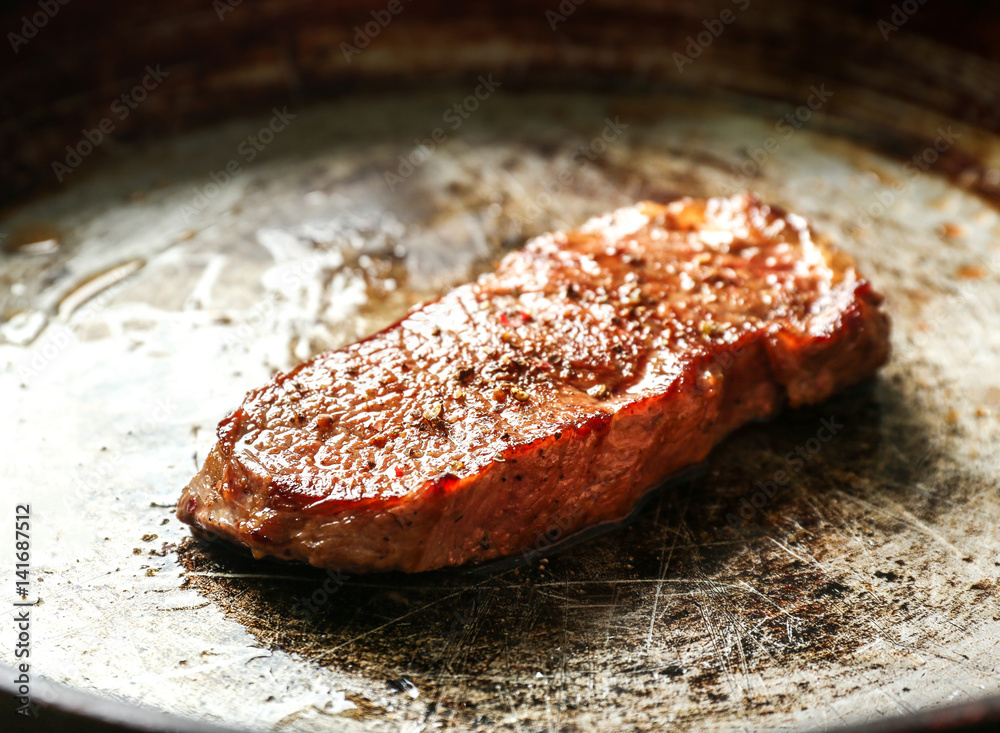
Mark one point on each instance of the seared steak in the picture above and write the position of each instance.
(548, 395)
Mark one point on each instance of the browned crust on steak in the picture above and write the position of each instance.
(552, 393)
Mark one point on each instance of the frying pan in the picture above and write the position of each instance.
(197, 195)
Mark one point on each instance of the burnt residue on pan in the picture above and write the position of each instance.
(714, 584)
(860, 584)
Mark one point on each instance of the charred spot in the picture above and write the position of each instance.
(833, 589)
(513, 365)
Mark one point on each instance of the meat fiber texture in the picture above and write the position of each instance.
(550, 394)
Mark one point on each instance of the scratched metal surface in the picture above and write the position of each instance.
(865, 586)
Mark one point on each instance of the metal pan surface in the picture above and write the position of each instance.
(837, 566)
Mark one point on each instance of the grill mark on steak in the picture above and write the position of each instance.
(590, 365)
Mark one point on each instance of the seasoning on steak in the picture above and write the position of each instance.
(551, 393)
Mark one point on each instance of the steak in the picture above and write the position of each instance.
(547, 396)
